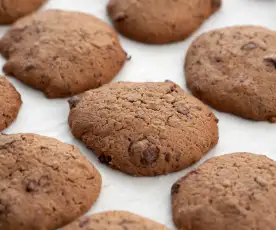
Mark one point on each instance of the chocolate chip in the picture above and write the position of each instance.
(249, 46)
(197, 91)
(143, 152)
(167, 157)
(29, 68)
(84, 221)
(218, 59)
(150, 155)
(183, 110)
(271, 60)
(272, 119)
(32, 186)
(105, 159)
(73, 101)
(4, 208)
(216, 4)
(120, 17)
(175, 189)
(199, 108)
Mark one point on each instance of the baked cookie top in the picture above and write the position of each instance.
(143, 129)
(119, 220)
(44, 183)
(11, 10)
(233, 69)
(235, 191)
(10, 103)
(160, 21)
(62, 53)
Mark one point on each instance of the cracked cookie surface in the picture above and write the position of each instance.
(11, 10)
(234, 70)
(44, 183)
(10, 103)
(160, 21)
(234, 191)
(143, 129)
(62, 53)
(119, 220)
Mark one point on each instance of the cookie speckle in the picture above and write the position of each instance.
(32, 186)
(249, 46)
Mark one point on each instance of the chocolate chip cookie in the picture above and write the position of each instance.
(44, 183)
(235, 191)
(11, 10)
(143, 129)
(62, 53)
(10, 103)
(160, 21)
(119, 220)
(234, 70)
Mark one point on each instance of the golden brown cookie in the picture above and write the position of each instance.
(143, 129)
(11, 10)
(10, 103)
(160, 21)
(119, 220)
(44, 183)
(233, 192)
(233, 70)
(62, 53)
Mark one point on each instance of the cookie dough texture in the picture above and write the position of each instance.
(62, 53)
(235, 191)
(143, 129)
(44, 184)
(160, 21)
(10, 103)
(11, 10)
(119, 220)
(233, 70)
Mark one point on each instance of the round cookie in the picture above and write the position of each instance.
(119, 220)
(235, 191)
(160, 21)
(44, 183)
(10, 103)
(233, 70)
(11, 10)
(62, 53)
(143, 129)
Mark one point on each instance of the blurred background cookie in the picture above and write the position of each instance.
(160, 21)
(11, 10)
(62, 53)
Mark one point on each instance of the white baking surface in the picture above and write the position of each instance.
(150, 197)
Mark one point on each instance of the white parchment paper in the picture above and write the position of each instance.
(150, 197)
